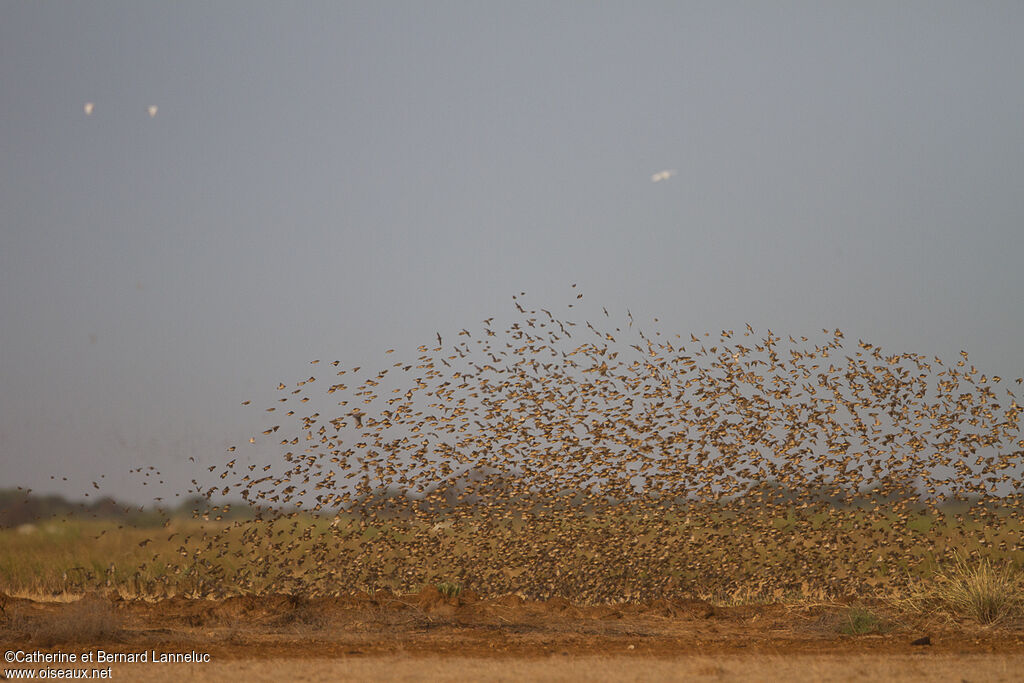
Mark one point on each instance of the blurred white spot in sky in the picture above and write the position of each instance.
(88, 108)
(663, 175)
(152, 110)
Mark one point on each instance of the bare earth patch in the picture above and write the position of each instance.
(430, 636)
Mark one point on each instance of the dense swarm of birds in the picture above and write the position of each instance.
(603, 463)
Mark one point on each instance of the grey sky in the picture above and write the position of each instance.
(331, 180)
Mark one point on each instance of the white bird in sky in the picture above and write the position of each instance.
(152, 111)
(663, 175)
(88, 108)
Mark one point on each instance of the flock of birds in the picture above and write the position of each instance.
(603, 463)
(606, 463)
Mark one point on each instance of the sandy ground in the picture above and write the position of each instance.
(429, 637)
(955, 668)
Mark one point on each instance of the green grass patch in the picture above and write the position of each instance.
(449, 589)
(858, 621)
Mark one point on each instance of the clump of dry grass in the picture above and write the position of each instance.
(90, 620)
(976, 589)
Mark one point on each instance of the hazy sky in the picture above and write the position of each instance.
(328, 180)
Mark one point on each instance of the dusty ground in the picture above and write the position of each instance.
(429, 637)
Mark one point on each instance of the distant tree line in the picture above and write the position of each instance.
(18, 506)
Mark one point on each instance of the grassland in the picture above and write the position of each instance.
(617, 555)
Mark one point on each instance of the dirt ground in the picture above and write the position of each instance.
(430, 637)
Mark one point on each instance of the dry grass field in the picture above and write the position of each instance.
(622, 554)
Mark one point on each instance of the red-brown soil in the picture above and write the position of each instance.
(429, 624)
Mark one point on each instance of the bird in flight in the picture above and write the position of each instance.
(152, 111)
(663, 175)
(88, 108)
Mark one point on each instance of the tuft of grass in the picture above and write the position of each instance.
(981, 590)
(857, 621)
(449, 589)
